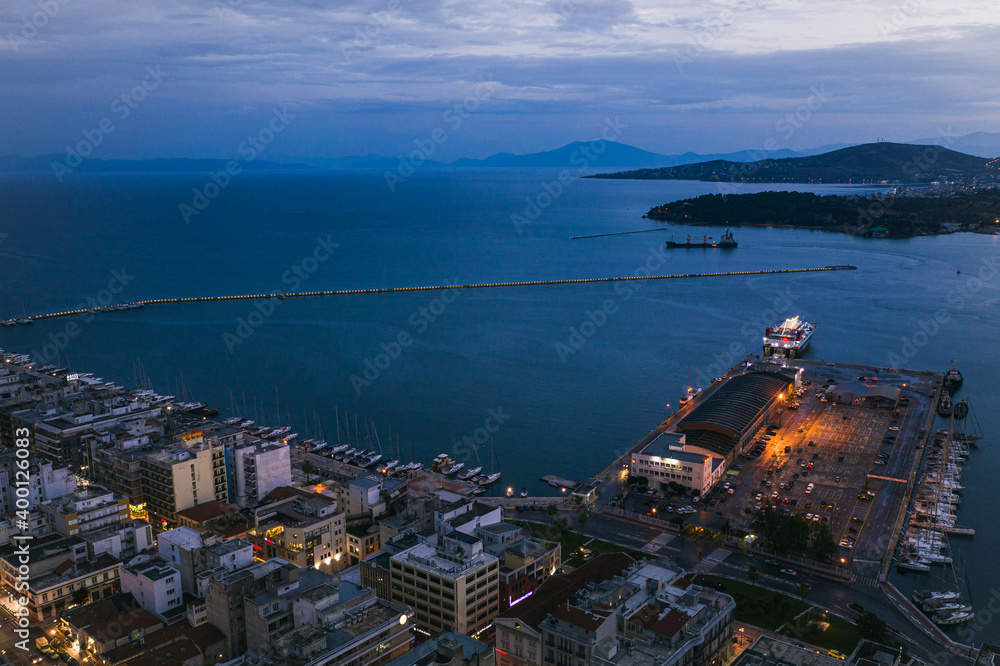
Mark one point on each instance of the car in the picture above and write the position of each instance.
(766, 438)
(878, 461)
(795, 501)
(866, 495)
(824, 520)
(773, 563)
(808, 505)
(790, 572)
(815, 517)
(802, 429)
(837, 655)
(883, 455)
(759, 496)
(809, 465)
(795, 476)
(774, 494)
(809, 488)
(788, 449)
(809, 516)
(815, 456)
(855, 519)
(893, 428)
(731, 490)
(852, 530)
(836, 479)
(768, 483)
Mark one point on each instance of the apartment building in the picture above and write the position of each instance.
(179, 477)
(303, 528)
(86, 510)
(451, 586)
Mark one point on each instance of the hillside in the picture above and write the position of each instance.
(865, 164)
(875, 215)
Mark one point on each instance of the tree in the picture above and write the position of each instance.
(871, 626)
(582, 518)
(753, 573)
(552, 510)
(823, 543)
(804, 591)
(309, 469)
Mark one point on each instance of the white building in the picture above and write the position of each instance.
(258, 469)
(155, 585)
(666, 459)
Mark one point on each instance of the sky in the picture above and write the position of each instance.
(196, 78)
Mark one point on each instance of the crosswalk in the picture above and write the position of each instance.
(714, 559)
(868, 581)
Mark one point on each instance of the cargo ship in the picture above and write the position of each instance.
(726, 242)
(790, 338)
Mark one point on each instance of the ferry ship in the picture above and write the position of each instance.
(791, 338)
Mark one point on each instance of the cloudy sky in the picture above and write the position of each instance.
(373, 76)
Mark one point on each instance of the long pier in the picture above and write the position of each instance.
(485, 285)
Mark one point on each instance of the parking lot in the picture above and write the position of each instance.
(833, 448)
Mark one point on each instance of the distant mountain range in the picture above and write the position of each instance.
(868, 163)
(17, 163)
(577, 154)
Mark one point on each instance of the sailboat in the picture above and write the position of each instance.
(493, 476)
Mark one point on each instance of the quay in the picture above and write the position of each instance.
(389, 290)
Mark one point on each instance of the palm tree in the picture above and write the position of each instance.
(804, 591)
(309, 469)
(552, 510)
(753, 573)
(582, 518)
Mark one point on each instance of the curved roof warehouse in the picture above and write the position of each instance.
(733, 412)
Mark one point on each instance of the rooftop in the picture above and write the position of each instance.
(211, 510)
(767, 651)
(427, 557)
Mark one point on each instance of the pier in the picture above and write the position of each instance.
(390, 290)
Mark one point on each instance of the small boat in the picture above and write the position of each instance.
(8, 322)
(478, 490)
(25, 321)
(488, 479)
(957, 617)
(469, 473)
(452, 469)
(246, 424)
(913, 565)
(282, 430)
(953, 379)
(233, 420)
(290, 437)
(339, 448)
(524, 492)
(944, 406)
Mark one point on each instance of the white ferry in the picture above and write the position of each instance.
(790, 338)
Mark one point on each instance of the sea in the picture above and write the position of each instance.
(529, 380)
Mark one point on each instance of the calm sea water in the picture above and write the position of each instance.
(504, 360)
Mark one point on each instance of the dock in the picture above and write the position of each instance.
(559, 482)
(442, 287)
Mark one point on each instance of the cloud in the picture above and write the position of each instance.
(357, 62)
